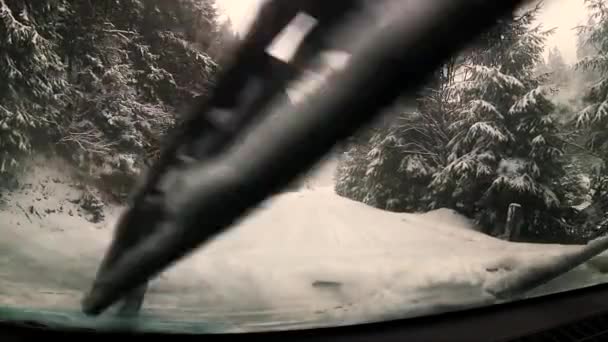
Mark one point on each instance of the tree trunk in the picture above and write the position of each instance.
(515, 221)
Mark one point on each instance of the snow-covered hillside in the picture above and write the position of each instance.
(307, 258)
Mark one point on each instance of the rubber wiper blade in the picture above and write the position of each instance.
(205, 198)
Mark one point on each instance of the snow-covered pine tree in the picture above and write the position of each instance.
(33, 90)
(585, 42)
(593, 118)
(350, 172)
(392, 167)
(180, 33)
(482, 136)
(503, 142)
(560, 71)
(225, 42)
(134, 65)
(111, 121)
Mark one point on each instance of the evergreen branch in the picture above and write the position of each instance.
(120, 31)
(581, 148)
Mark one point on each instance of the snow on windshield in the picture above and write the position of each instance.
(491, 183)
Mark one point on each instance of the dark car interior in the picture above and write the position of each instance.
(580, 315)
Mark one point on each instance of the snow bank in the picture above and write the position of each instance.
(307, 258)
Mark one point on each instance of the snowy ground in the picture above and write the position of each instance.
(307, 258)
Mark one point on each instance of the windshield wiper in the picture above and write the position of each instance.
(225, 159)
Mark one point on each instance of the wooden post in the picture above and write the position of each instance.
(515, 221)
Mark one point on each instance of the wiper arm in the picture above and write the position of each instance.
(189, 203)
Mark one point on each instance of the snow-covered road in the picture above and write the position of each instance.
(307, 258)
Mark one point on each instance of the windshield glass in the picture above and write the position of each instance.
(460, 197)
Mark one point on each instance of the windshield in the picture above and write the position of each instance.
(471, 193)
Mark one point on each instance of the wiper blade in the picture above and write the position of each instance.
(187, 204)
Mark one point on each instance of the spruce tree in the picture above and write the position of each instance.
(34, 89)
(560, 71)
(592, 120)
(103, 81)
(134, 66)
(505, 147)
(482, 137)
(594, 117)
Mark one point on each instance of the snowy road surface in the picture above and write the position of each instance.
(305, 259)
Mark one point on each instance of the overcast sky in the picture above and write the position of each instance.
(563, 15)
